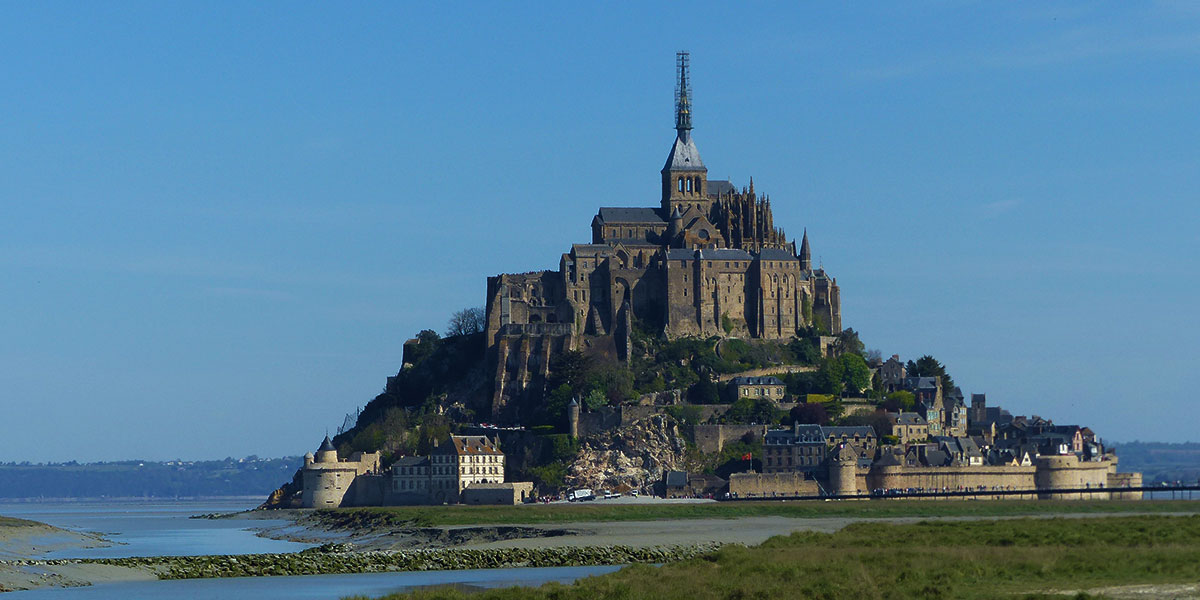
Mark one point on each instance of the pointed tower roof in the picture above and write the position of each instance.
(684, 154)
(805, 253)
(326, 446)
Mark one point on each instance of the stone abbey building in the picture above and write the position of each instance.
(707, 261)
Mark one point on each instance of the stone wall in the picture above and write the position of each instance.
(1123, 480)
(1061, 472)
(775, 370)
(760, 485)
(950, 478)
(498, 493)
(712, 438)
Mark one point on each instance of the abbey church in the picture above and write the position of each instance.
(707, 261)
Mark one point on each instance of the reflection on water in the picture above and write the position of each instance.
(311, 587)
(162, 528)
(155, 527)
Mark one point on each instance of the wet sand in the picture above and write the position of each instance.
(21, 542)
(747, 531)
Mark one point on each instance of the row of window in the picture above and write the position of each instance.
(688, 185)
(738, 264)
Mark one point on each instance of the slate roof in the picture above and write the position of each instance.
(936, 458)
(623, 214)
(798, 434)
(767, 380)
(719, 187)
(775, 254)
(921, 383)
(473, 445)
(684, 155)
(326, 446)
(590, 250)
(411, 461)
(724, 254)
(675, 479)
(632, 242)
(707, 254)
(910, 418)
(859, 430)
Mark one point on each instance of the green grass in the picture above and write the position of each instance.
(1017, 558)
(11, 522)
(427, 516)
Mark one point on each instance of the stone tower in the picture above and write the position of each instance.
(327, 453)
(843, 471)
(573, 418)
(805, 253)
(684, 177)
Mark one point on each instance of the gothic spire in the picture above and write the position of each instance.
(683, 96)
(805, 253)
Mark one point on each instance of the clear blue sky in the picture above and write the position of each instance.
(220, 221)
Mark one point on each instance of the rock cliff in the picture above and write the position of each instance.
(633, 456)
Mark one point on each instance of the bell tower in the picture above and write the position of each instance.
(684, 177)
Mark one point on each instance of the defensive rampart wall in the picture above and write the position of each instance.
(765, 485)
(951, 478)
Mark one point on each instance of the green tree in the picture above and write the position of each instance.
(900, 401)
(808, 414)
(570, 368)
(704, 392)
(829, 377)
(848, 342)
(805, 351)
(855, 374)
(928, 366)
(686, 414)
(595, 399)
(747, 411)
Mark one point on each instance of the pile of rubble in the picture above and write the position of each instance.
(634, 456)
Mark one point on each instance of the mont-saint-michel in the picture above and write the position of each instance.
(527, 302)
(688, 350)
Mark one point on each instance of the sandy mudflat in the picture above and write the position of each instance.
(21, 541)
(643, 534)
(27, 539)
(14, 576)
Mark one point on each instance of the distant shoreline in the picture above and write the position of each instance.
(93, 499)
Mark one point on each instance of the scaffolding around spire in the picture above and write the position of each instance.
(683, 93)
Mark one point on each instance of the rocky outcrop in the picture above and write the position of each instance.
(632, 456)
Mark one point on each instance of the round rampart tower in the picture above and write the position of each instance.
(327, 453)
(1068, 472)
(843, 471)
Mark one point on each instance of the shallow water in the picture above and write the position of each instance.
(155, 528)
(162, 528)
(311, 587)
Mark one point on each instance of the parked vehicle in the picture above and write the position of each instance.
(581, 495)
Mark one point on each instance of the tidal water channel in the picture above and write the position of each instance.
(163, 528)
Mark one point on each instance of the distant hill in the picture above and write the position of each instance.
(1159, 461)
(250, 476)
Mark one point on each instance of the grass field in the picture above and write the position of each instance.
(1012, 558)
(427, 516)
(11, 522)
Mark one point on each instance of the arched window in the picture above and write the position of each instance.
(689, 185)
(681, 184)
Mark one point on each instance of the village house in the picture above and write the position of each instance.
(757, 387)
